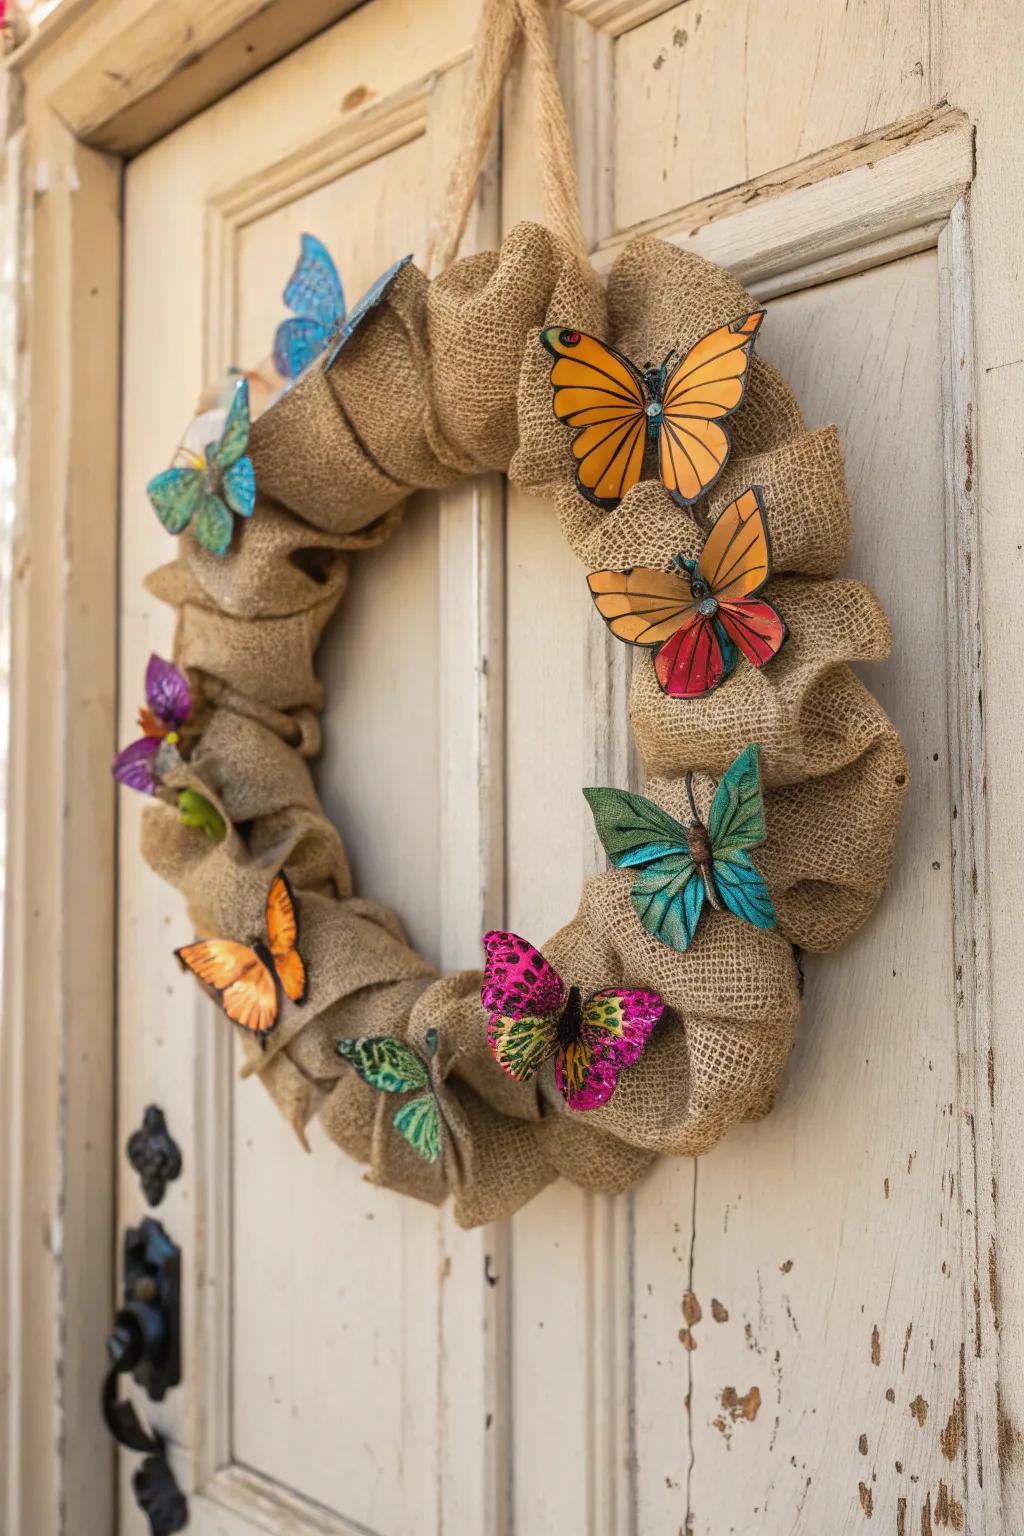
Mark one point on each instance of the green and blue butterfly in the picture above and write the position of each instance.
(392, 1066)
(212, 485)
(680, 867)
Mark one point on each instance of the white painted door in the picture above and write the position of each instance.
(783, 1336)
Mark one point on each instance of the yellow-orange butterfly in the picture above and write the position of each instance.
(248, 979)
(617, 409)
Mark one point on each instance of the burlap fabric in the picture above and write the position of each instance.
(334, 458)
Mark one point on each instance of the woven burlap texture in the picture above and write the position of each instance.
(445, 380)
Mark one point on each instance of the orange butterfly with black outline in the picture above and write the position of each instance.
(248, 980)
(618, 409)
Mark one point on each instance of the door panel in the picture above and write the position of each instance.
(740, 1341)
(325, 1372)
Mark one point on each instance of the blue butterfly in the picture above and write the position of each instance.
(212, 485)
(369, 301)
(678, 866)
(317, 299)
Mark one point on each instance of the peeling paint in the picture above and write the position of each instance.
(692, 1312)
(867, 1500)
(926, 1516)
(736, 1409)
(952, 1435)
(901, 1517)
(919, 1410)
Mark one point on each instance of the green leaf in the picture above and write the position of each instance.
(633, 830)
(419, 1122)
(196, 811)
(385, 1063)
(736, 820)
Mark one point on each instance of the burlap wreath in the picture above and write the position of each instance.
(334, 460)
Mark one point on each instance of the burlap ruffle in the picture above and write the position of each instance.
(334, 459)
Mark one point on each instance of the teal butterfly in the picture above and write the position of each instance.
(678, 866)
(394, 1067)
(212, 485)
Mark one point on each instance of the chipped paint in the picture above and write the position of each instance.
(862, 1445)
(926, 1516)
(919, 1410)
(692, 1311)
(901, 1517)
(906, 1346)
(867, 1500)
(786, 1266)
(876, 1346)
(736, 1410)
(952, 1435)
(718, 1312)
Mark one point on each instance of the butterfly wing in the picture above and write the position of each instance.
(633, 830)
(314, 290)
(419, 1122)
(243, 983)
(601, 394)
(668, 892)
(642, 606)
(386, 1063)
(736, 823)
(694, 660)
(174, 495)
(522, 1044)
(296, 343)
(374, 295)
(212, 524)
(736, 561)
(518, 981)
(238, 486)
(617, 1023)
(234, 439)
(283, 938)
(706, 386)
(167, 692)
(668, 898)
(135, 764)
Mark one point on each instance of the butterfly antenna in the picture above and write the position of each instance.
(689, 796)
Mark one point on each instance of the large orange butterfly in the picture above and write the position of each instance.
(617, 409)
(249, 978)
(703, 611)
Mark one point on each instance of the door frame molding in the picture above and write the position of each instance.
(97, 83)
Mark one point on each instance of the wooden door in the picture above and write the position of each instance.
(786, 1335)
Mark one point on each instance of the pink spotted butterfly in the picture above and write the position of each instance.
(533, 1015)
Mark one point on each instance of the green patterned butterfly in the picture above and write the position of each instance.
(211, 485)
(678, 866)
(394, 1067)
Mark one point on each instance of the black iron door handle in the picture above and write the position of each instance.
(144, 1344)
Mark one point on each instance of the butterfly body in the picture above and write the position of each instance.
(617, 409)
(250, 979)
(678, 866)
(534, 1017)
(702, 614)
(392, 1066)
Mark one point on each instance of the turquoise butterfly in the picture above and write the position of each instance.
(394, 1067)
(678, 866)
(212, 485)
